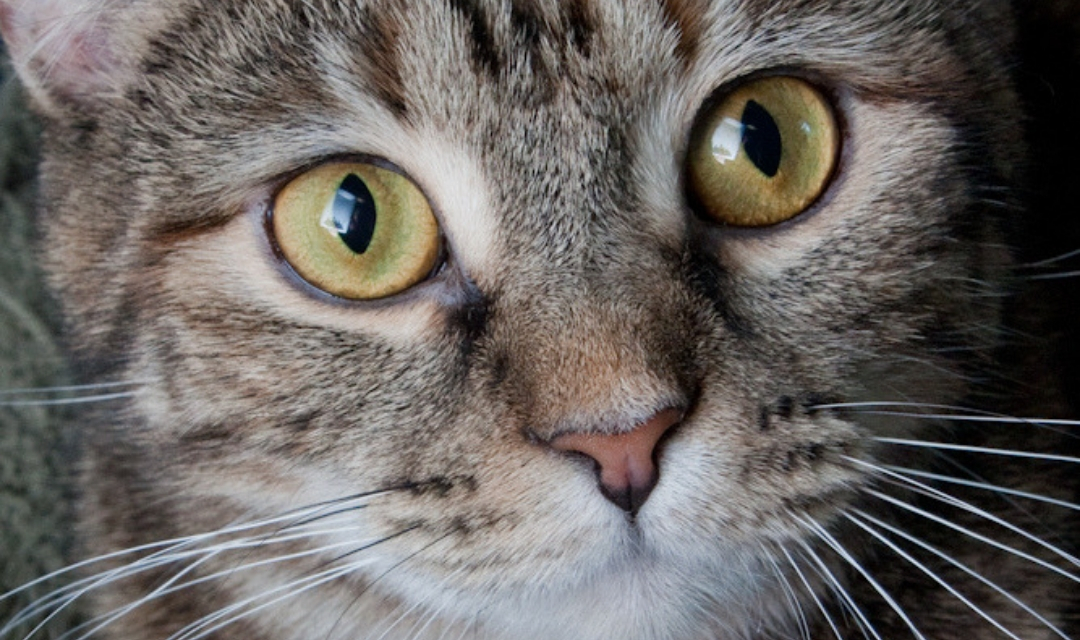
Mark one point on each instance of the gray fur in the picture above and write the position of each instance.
(580, 292)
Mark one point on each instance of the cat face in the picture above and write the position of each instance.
(577, 281)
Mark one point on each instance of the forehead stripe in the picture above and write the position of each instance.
(380, 46)
(688, 16)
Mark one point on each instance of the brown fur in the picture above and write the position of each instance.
(581, 293)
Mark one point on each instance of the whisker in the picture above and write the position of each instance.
(936, 494)
(435, 614)
(210, 624)
(100, 622)
(105, 397)
(430, 615)
(70, 388)
(837, 588)
(220, 619)
(172, 585)
(813, 594)
(993, 488)
(961, 414)
(973, 534)
(1050, 261)
(789, 593)
(165, 553)
(929, 573)
(1015, 504)
(60, 599)
(839, 548)
(175, 543)
(401, 615)
(1053, 276)
(949, 446)
(968, 570)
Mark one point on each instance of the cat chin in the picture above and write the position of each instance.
(638, 598)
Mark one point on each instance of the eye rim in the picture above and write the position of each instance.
(835, 96)
(285, 268)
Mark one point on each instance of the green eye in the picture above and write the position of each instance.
(356, 230)
(764, 154)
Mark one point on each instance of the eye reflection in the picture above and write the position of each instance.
(352, 214)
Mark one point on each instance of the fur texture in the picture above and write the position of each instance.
(580, 292)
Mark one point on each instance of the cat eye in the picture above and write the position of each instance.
(764, 153)
(356, 230)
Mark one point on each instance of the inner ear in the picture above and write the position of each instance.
(64, 51)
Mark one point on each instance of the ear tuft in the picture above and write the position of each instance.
(62, 50)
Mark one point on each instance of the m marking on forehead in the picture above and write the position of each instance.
(498, 32)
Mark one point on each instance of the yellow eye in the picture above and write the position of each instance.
(356, 230)
(764, 154)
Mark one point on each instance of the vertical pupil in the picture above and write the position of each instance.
(354, 214)
(761, 139)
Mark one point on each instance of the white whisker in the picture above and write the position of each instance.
(837, 588)
(401, 615)
(100, 622)
(172, 585)
(165, 553)
(69, 389)
(1015, 504)
(1054, 276)
(62, 598)
(221, 618)
(210, 624)
(925, 489)
(839, 548)
(810, 589)
(106, 397)
(929, 573)
(973, 534)
(961, 414)
(789, 593)
(969, 571)
(434, 614)
(166, 546)
(1050, 261)
(948, 446)
(984, 486)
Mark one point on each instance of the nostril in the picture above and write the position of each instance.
(627, 468)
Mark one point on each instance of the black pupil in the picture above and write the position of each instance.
(354, 214)
(761, 138)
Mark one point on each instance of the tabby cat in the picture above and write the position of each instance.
(539, 319)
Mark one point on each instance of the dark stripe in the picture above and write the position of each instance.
(527, 23)
(484, 50)
(470, 320)
(688, 17)
(580, 25)
(380, 46)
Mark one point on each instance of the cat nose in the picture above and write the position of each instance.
(627, 465)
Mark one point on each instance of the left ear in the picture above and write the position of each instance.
(66, 52)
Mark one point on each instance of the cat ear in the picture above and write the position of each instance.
(64, 51)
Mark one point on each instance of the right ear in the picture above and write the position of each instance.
(66, 52)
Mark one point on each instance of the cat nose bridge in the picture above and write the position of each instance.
(590, 367)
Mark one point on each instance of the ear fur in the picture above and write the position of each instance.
(64, 51)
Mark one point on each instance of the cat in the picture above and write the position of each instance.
(585, 320)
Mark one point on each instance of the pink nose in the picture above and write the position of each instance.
(626, 462)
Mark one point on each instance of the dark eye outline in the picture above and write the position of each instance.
(293, 277)
(836, 96)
